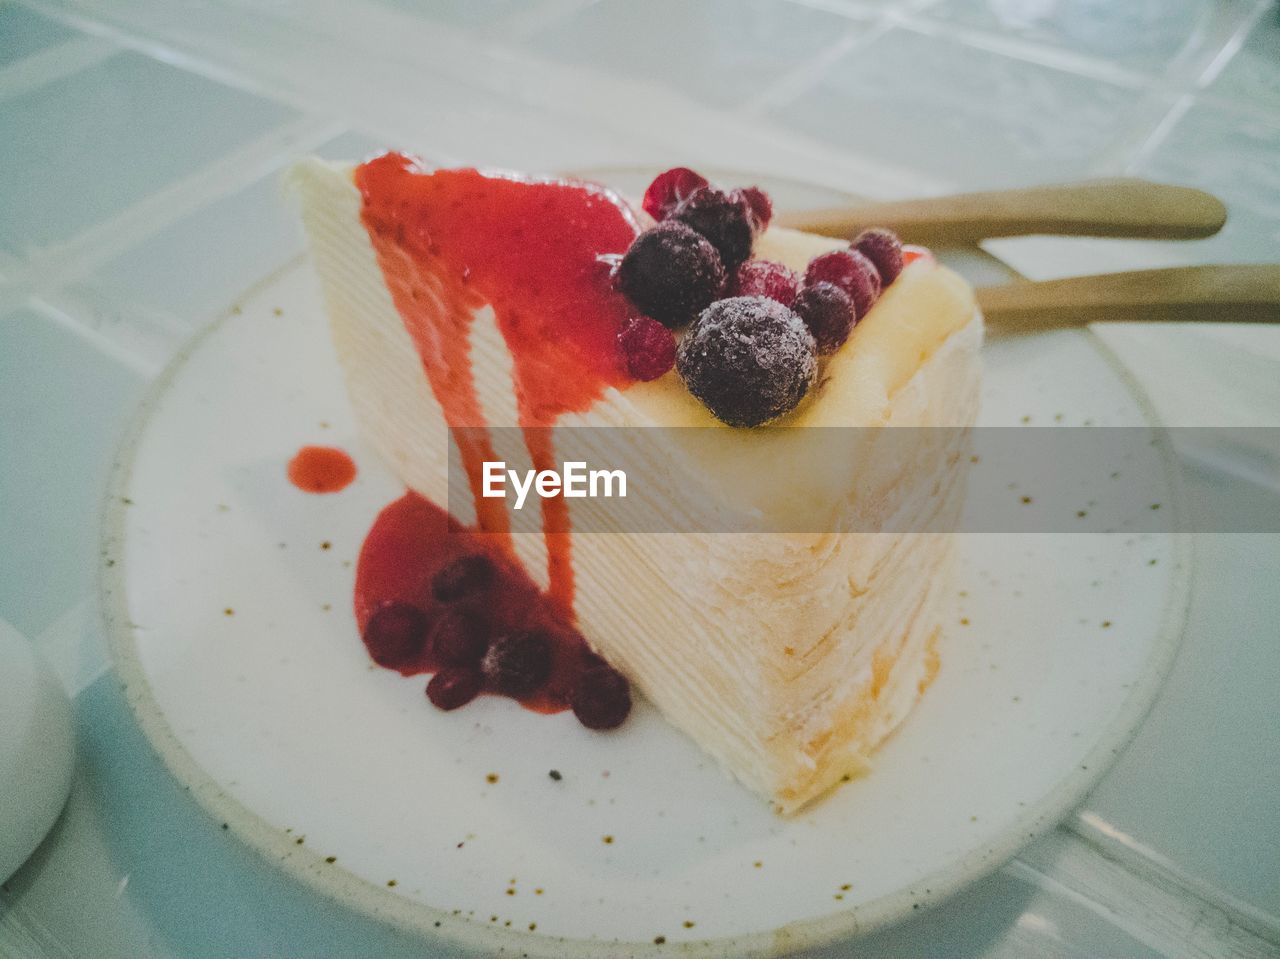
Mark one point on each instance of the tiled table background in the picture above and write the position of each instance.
(140, 147)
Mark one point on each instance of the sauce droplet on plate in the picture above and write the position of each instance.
(321, 469)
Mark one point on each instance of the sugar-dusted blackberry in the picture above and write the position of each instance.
(601, 698)
(648, 348)
(454, 686)
(462, 577)
(883, 248)
(852, 272)
(828, 312)
(671, 272)
(723, 217)
(519, 663)
(459, 637)
(396, 634)
(749, 359)
(766, 278)
(668, 189)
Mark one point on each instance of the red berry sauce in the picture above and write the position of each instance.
(411, 541)
(538, 253)
(321, 469)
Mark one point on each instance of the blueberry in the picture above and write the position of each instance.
(601, 698)
(723, 217)
(827, 311)
(460, 637)
(396, 634)
(454, 686)
(749, 360)
(671, 272)
(519, 663)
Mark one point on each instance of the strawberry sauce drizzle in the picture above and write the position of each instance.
(451, 241)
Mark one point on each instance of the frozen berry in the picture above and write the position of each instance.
(671, 272)
(761, 207)
(668, 189)
(722, 217)
(766, 278)
(601, 698)
(454, 686)
(884, 249)
(517, 664)
(396, 634)
(748, 359)
(649, 348)
(849, 270)
(828, 313)
(462, 577)
(459, 637)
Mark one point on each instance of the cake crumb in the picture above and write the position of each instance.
(555, 774)
(491, 778)
(607, 840)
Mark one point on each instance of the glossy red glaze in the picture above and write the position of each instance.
(451, 241)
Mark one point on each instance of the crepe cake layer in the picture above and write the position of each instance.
(788, 656)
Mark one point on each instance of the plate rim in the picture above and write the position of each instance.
(299, 863)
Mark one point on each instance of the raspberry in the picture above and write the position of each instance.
(884, 249)
(462, 577)
(601, 698)
(766, 278)
(396, 634)
(671, 272)
(454, 686)
(649, 348)
(517, 664)
(852, 272)
(668, 189)
(748, 359)
(460, 637)
(761, 207)
(723, 218)
(827, 311)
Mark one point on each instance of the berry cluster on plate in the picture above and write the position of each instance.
(753, 330)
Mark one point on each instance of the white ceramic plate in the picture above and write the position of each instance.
(228, 597)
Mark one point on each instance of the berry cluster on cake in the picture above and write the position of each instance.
(461, 301)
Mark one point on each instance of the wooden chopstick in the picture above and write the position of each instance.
(1196, 294)
(1111, 208)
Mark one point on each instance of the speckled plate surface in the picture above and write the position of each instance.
(228, 597)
